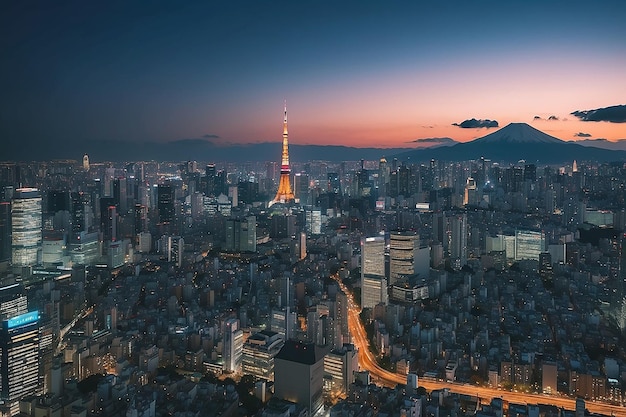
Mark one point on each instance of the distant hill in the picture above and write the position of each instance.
(515, 142)
(187, 149)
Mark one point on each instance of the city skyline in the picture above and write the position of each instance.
(354, 74)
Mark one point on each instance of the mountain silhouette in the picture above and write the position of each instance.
(514, 142)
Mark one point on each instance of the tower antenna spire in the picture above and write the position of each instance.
(285, 193)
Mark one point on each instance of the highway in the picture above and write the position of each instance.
(380, 376)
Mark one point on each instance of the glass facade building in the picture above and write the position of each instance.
(26, 237)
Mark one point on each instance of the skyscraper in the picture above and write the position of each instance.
(210, 178)
(5, 231)
(284, 193)
(165, 203)
(334, 183)
(119, 195)
(402, 248)
(383, 176)
(373, 256)
(233, 345)
(19, 349)
(241, 235)
(458, 240)
(373, 280)
(301, 188)
(26, 227)
(78, 217)
(299, 375)
(19, 353)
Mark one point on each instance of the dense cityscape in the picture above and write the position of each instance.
(365, 288)
(347, 208)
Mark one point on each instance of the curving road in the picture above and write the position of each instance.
(381, 376)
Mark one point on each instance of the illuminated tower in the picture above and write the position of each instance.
(284, 193)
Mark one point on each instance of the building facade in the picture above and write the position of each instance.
(26, 227)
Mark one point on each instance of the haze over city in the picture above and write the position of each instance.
(364, 74)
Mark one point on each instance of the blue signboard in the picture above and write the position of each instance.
(23, 319)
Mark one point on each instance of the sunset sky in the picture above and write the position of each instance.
(357, 73)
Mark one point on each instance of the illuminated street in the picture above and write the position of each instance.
(383, 377)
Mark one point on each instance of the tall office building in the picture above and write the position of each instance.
(458, 240)
(334, 183)
(141, 219)
(282, 226)
(19, 349)
(120, 195)
(402, 249)
(233, 345)
(210, 179)
(383, 177)
(313, 219)
(283, 321)
(470, 195)
(529, 244)
(373, 280)
(299, 375)
(301, 188)
(259, 352)
(284, 193)
(109, 222)
(85, 162)
(165, 203)
(78, 216)
(340, 315)
(26, 227)
(339, 367)
(241, 235)
(5, 231)
(173, 247)
(373, 290)
(373, 256)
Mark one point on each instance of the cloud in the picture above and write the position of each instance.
(434, 140)
(551, 118)
(474, 123)
(209, 136)
(582, 135)
(613, 114)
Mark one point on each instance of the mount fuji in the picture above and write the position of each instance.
(515, 142)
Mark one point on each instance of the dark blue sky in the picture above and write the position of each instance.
(353, 72)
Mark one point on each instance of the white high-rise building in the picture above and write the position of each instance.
(529, 244)
(373, 256)
(233, 345)
(26, 227)
(313, 220)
